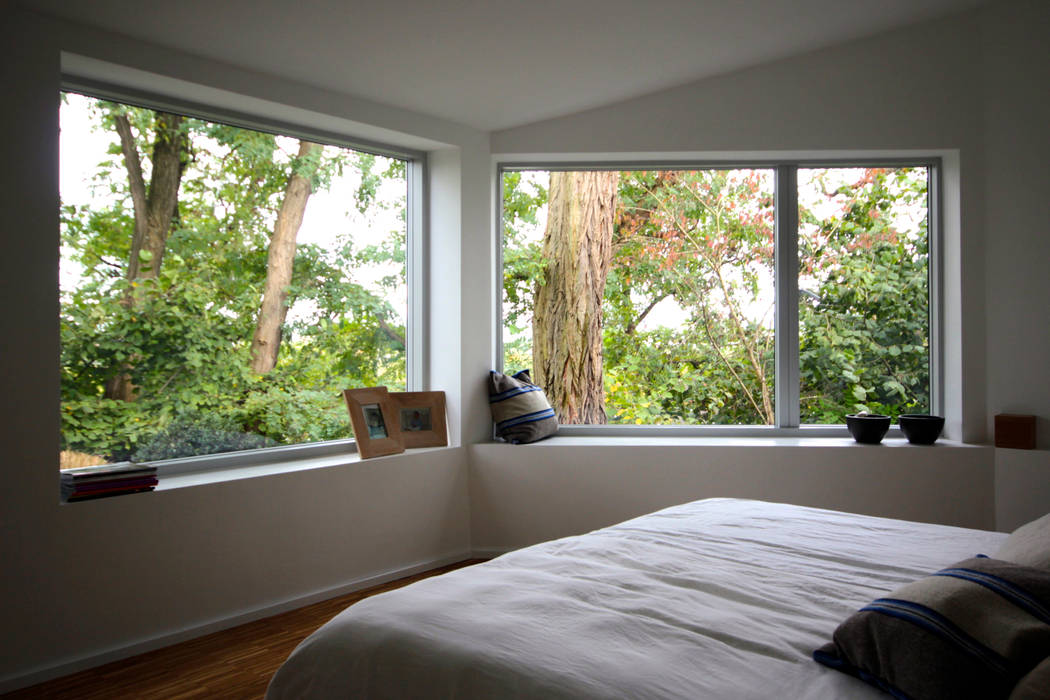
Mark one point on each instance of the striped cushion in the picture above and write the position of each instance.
(520, 410)
(971, 630)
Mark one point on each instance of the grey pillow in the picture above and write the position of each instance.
(1036, 685)
(973, 630)
(1028, 545)
(520, 409)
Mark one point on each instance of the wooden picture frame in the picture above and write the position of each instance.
(374, 419)
(421, 418)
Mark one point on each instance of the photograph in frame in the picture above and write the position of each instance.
(421, 418)
(374, 418)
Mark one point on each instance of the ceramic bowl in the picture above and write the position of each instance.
(921, 429)
(868, 428)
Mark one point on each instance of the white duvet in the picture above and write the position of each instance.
(720, 598)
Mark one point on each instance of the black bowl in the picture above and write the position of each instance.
(868, 428)
(921, 429)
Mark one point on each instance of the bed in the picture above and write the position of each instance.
(720, 598)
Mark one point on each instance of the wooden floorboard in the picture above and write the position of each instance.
(231, 664)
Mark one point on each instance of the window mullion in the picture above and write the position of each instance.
(417, 262)
(787, 369)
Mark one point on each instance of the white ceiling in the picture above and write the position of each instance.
(494, 64)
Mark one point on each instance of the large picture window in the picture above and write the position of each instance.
(220, 286)
(745, 296)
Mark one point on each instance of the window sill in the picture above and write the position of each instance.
(890, 442)
(187, 479)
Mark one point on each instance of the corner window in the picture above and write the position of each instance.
(220, 285)
(739, 296)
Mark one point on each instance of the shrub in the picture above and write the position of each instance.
(197, 435)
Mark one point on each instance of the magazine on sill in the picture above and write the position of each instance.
(102, 470)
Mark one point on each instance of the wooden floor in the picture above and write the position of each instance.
(234, 663)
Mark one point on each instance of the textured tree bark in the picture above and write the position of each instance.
(567, 317)
(154, 212)
(154, 208)
(266, 341)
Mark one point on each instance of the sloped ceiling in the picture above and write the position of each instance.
(495, 64)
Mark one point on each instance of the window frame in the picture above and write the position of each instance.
(416, 252)
(786, 356)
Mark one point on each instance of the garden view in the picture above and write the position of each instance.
(221, 286)
(661, 310)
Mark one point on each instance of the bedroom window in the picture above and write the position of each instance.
(221, 285)
(773, 295)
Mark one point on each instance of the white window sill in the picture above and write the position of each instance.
(213, 475)
(889, 442)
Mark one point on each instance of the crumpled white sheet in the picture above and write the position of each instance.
(720, 599)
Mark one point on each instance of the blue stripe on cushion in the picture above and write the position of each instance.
(839, 664)
(1004, 588)
(527, 418)
(510, 393)
(937, 624)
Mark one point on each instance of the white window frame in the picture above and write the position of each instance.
(786, 373)
(416, 345)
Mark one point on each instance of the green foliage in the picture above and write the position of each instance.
(523, 265)
(183, 338)
(701, 243)
(864, 335)
(202, 434)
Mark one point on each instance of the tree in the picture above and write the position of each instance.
(185, 341)
(154, 207)
(273, 310)
(154, 210)
(700, 244)
(567, 324)
(864, 323)
(704, 240)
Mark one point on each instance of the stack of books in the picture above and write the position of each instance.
(83, 483)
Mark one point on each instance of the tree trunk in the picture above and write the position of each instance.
(280, 259)
(154, 211)
(567, 319)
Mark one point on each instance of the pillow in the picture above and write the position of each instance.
(1028, 545)
(1036, 685)
(972, 630)
(520, 410)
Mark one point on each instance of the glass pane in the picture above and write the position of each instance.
(219, 286)
(864, 328)
(642, 297)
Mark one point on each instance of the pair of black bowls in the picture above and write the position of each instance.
(919, 428)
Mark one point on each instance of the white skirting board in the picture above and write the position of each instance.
(98, 658)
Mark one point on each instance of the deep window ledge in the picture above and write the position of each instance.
(889, 442)
(247, 470)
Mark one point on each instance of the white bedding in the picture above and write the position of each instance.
(721, 598)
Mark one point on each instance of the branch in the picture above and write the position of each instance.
(137, 187)
(391, 333)
(633, 325)
(725, 361)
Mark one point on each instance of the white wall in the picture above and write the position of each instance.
(1017, 142)
(1016, 111)
(80, 582)
(521, 495)
(1022, 486)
